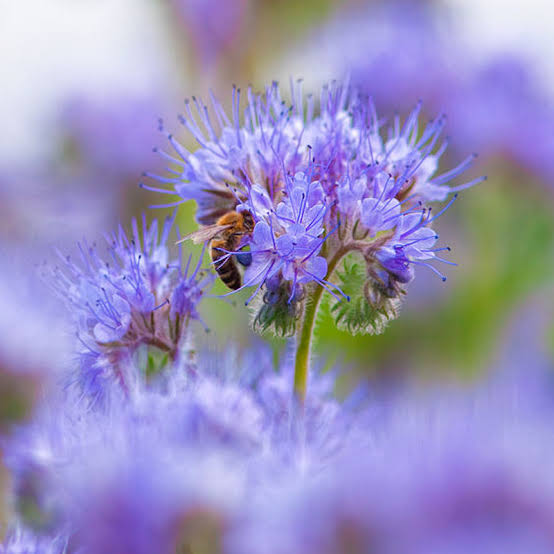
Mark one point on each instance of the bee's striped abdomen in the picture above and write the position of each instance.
(228, 271)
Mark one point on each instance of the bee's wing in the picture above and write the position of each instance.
(205, 234)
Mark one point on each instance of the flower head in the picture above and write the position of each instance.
(322, 182)
(233, 154)
(135, 296)
(152, 470)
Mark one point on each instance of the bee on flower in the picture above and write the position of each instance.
(332, 192)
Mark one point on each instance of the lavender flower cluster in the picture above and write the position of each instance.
(208, 463)
(151, 446)
(325, 184)
(496, 102)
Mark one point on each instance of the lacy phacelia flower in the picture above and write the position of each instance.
(147, 474)
(320, 188)
(136, 296)
(233, 155)
(287, 240)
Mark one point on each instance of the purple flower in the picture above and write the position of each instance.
(111, 137)
(233, 154)
(135, 296)
(150, 471)
(22, 541)
(411, 244)
(214, 25)
(286, 242)
(322, 182)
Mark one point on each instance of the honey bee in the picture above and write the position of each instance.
(225, 236)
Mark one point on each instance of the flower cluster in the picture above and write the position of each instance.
(134, 296)
(226, 452)
(497, 103)
(208, 463)
(323, 184)
(154, 469)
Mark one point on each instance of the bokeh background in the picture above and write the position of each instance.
(84, 84)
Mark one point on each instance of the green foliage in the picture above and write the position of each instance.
(17, 397)
(369, 309)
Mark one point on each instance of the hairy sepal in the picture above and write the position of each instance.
(273, 313)
(371, 307)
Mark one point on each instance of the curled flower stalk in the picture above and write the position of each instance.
(132, 298)
(339, 203)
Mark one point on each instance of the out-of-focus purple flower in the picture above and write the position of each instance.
(54, 208)
(496, 104)
(211, 459)
(153, 470)
(455, 470)
(111, 137)
(22, 541)
(135, 295)
(33, 344)
(410, 58)
(214, 25)
(500, 108)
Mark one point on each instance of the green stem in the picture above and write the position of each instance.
(304, 343)
(305, 333)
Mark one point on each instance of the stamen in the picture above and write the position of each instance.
(469, 184)
(433, 269)
(168, 180)
(460, 168)
(170, 205)
(452, 200)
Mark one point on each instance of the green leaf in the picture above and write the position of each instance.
(370, 309)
